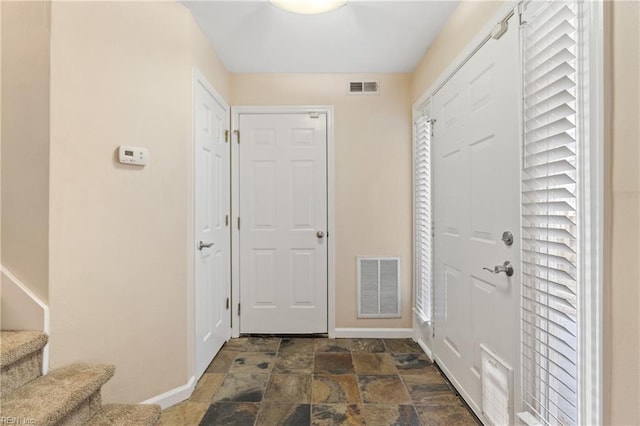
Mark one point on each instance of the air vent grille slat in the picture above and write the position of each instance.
(378, 287)
(364, 88)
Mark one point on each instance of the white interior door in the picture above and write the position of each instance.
(283, 223)
(476, 198)
(212, 319)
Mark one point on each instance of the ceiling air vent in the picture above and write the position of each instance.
(363, 88)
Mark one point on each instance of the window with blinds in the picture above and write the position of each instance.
(551, 214)
(422, 218)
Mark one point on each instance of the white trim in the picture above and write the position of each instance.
(373, 333)
(173, 396)
(590, 334)
(198, 78)
(236, 111)
(425, 349)
(46, 323)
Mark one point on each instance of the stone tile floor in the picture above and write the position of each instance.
(319, 381)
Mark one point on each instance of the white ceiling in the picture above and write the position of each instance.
(363, 36)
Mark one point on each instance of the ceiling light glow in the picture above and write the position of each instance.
(309, 7)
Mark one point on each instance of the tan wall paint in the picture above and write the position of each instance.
(372, 171)
(25, 143)
(622, 369)
(465, 23)
(122, 74)
(622, 318)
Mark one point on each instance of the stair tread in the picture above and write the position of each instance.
(127, 415)
(48, 399)
(15, 345)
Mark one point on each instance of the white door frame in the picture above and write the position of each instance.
(236, 111)
(198, 78)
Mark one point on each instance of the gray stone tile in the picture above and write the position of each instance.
(367, 345)
(262, 344)
(337, 415)
(335, 389)
(284, 414)
(392, 415)
(333, 363)
(383, 390)
(253, 362)
(412, 363)
(374, 364)
(222, 362)
(230, 414)
(441, 413)
(333, 345)
(288, 388)
(297, 345)
(294, 363)
(402, 346)
(242, 388)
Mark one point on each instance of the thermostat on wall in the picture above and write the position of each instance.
(133, 155)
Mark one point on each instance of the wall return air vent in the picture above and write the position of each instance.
(364, 88)
(378, 287)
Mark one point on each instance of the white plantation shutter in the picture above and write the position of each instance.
(422, 218)
(551, 214)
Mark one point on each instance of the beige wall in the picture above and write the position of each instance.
(25, 143)
(465, 23)
(622, 319)
(372, 171)
(121, 73)
(623, 325)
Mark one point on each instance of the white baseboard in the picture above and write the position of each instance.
(173, 396)
(425, 348)
(23, 310)
(373, 333)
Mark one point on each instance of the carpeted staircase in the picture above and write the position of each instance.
(65, 396)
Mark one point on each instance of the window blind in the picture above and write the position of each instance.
(422, 218)
(550, 214)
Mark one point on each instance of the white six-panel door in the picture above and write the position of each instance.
(476, 198)
(283, 223)
(212, 239)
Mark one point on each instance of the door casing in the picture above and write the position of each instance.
(236, 138)
(197, 79)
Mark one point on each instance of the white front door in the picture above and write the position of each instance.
(283, 223)
(212, 319)
(476, 198)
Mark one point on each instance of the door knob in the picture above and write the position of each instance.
(202, 245)
(320, 234)
(506, 267)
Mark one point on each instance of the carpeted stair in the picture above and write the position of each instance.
(66, 396)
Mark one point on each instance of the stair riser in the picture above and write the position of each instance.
(20, 372)
(84, 412)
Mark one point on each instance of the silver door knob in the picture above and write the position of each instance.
(506, 267)
(202, 245)
(320, 234)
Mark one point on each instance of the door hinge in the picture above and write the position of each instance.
(238, 222)
(227, 303)
(226, 135)
(226, 220)
(238, 309)
(237, 133)
(521, 9)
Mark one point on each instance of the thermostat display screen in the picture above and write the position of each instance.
(129, 153)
